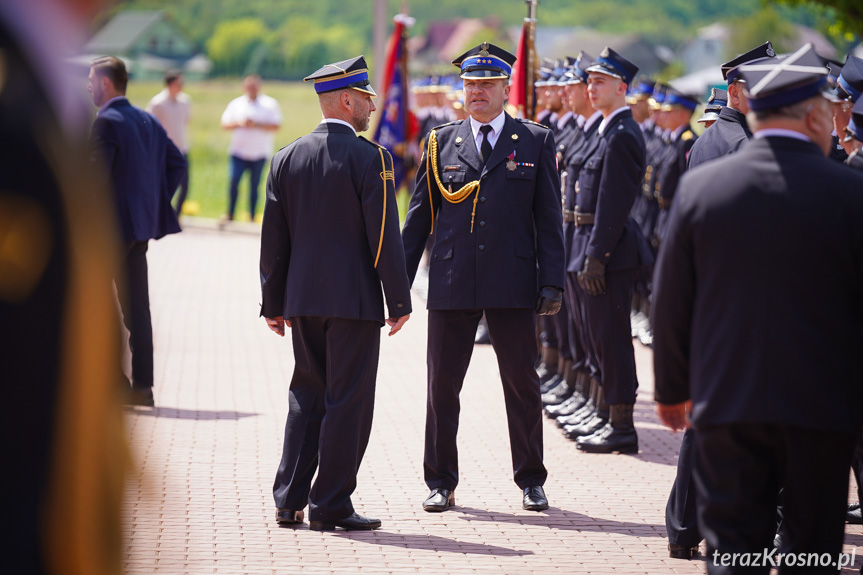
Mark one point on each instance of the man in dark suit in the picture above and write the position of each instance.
(730, 131)
(607, 249)
(489, 191)
(145, 169)
(330, 237)
(726, 345)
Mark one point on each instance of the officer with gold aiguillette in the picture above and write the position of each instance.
(488, 190)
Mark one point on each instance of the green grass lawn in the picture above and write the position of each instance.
(208, 152)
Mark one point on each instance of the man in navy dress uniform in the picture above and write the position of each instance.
(730, 131)
(329, 239)
(607, 249)
(727, 347)
(488, 190)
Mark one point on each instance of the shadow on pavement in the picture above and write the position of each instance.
(199, 414)
(430, 543)
(558, 518)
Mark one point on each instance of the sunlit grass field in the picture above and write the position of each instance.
(208, 152)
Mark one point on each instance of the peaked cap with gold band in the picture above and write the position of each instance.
(485, 61)
(353, 73)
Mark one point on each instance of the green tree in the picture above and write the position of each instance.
(767, 24)
(848, 15)
(233, 44)
(304, 45)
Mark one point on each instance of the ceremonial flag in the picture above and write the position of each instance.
(396, 125)
(518, 91)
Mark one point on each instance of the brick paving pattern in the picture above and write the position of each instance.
(205, 457)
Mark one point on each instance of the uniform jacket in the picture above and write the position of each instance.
(674, 163)
(144, 167)
(724, 137)
(329, 218)
(646, 208)
(607, 186)
(516, 245)
(575, 156)
(754, 320)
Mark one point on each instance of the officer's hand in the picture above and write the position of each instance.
(548, 301)
(277, 324)
(396, 323)
(592, 277)
(675, 417)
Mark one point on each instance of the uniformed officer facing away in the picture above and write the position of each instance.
(487, 188)
(330, 237)
(743, 337)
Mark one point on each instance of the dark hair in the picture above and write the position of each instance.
(172, 76)
(114, 69)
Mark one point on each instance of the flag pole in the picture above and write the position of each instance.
(532, 64)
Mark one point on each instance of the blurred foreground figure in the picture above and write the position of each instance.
(61, 419)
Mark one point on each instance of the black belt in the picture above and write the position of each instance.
(578, 218)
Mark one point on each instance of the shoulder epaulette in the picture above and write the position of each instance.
(526, 121)
(687, 135)
(375, 144)
(453, 123)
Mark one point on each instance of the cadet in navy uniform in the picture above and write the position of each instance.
(849, 86)
(730, 131)
(330, 237)
(584, 402)
(726, 345)
(561, 391)
(677, 112)
(607, 247)
(488, 190)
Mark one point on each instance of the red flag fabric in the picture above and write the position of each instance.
(518, 85)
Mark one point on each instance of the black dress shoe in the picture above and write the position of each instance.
(352, 522)
(854, 515)
(682, 552)
(289, 516)
(439, 499)
(142, 396)
(534, 499)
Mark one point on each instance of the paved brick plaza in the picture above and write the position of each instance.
(207, 455)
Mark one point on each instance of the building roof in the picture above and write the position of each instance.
(121, 33)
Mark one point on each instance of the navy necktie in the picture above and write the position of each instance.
(485, 147)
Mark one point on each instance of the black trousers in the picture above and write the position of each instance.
(610, 332)
(579, 337)
(681, 512)
(330, 405)
(450, 345)
(134, 293)
(739, 469)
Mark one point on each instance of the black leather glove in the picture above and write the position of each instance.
(549, 300)
(592, 277)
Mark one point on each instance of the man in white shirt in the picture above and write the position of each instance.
(254, 118)
(172, 107)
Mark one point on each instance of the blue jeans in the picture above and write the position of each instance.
(237, 167)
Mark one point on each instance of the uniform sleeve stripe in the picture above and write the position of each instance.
(384, 216)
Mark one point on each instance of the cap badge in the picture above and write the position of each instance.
(483, 49)
(770, 53)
